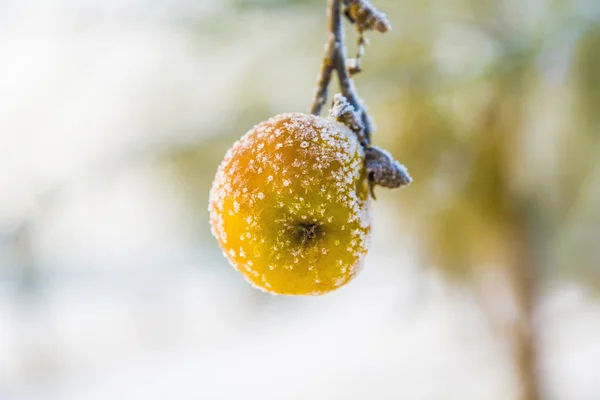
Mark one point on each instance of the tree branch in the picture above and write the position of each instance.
(348, 108)
(327, 66)
(335, 59)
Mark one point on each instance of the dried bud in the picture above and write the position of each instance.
(366, 16)
(384, 170)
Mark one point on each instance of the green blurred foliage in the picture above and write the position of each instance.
(491, 105)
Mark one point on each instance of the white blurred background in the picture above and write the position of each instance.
(115, 114)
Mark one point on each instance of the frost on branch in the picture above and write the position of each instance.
(343, 112)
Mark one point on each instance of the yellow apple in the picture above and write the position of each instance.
(289, 205)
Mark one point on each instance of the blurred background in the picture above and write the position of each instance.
(483, 278)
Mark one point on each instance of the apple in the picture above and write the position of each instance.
(289, 205)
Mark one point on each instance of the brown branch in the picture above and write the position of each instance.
(522, 275)
(353, 64)
(348, 108)
(335, 59)
(327, 66)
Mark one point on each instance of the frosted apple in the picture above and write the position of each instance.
(289, 205)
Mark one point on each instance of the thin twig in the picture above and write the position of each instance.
(327, 66)
(320, 97)
(353, 64)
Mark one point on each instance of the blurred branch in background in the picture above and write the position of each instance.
(495, 205)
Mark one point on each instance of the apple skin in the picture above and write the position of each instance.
(289, 205)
